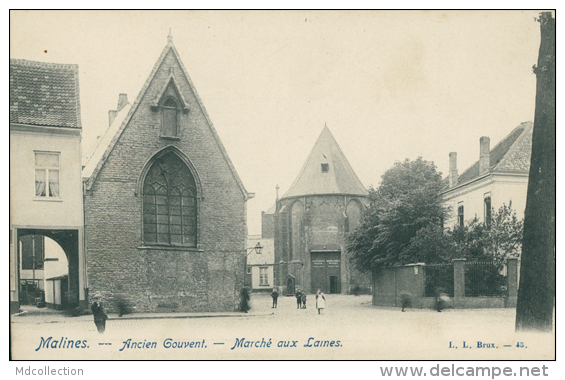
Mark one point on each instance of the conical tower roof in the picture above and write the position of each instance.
(326, 171)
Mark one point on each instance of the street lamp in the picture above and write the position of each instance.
(258, 249)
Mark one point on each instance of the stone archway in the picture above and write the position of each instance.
(68, 240)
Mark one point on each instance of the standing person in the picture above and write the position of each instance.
(320, 301)
(298, 298)
(99, 316)
(244, 303)
(275, 296)
(303, 300)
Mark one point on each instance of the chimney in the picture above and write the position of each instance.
(453, 175)
(122, 102)
(484, 161)
(111, 116)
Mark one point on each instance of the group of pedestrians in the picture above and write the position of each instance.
(300, 295)
(301, 299)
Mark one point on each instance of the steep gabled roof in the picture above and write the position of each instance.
(168, 48)
(511, 154)
(339, 177)
(44, 93)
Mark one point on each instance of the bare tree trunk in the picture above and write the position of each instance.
(536, 294)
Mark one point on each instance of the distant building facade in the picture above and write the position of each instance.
(500, 176)
(165, 211)
(311, 220)
(259, 274)
(45, 179)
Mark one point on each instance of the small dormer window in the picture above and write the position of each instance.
(325, 168)
(170, 118)
(170, 105)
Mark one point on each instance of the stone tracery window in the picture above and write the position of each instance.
(169, 203)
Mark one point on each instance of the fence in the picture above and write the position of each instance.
(484, 279)
(469, 285)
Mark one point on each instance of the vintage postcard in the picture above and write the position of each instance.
(279, 185)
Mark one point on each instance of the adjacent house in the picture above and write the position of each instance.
(498, 177)
(46, 202)
(260, 274)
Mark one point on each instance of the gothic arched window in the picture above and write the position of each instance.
(170, 118)
(169, 203)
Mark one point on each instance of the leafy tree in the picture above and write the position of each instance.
(407, 200)
(493, 241)
(471, 241)
(505, 233)
(431, 245)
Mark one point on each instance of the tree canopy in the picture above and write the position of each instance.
(404, 224)
(407, 200)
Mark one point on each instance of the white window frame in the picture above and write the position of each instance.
(263, 276)
(47, 169)
(459, 221)
(485, 196)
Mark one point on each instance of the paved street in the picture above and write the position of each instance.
(350, 328)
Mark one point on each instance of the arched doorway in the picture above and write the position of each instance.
(290, 285)
(48, 254)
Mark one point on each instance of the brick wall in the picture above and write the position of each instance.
(206, 278)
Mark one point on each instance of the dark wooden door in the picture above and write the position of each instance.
(326, 272)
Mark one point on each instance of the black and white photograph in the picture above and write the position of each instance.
(283, 185)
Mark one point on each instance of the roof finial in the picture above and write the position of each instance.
(170, 36)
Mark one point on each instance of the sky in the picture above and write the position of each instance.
(390, 85)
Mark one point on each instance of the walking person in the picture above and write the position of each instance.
(275, 296)
(320, 301)
(440, 299)
(99, 316)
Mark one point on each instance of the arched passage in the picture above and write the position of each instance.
(68, 241)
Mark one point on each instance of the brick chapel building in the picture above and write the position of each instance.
(165, 210)
(311, 221)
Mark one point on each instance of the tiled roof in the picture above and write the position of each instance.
(339, 178)
(512, 154)
(44, 94)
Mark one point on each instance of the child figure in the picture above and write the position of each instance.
(275, 296)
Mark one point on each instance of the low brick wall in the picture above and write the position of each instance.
(392, 285)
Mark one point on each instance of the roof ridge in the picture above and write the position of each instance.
(49, 65)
